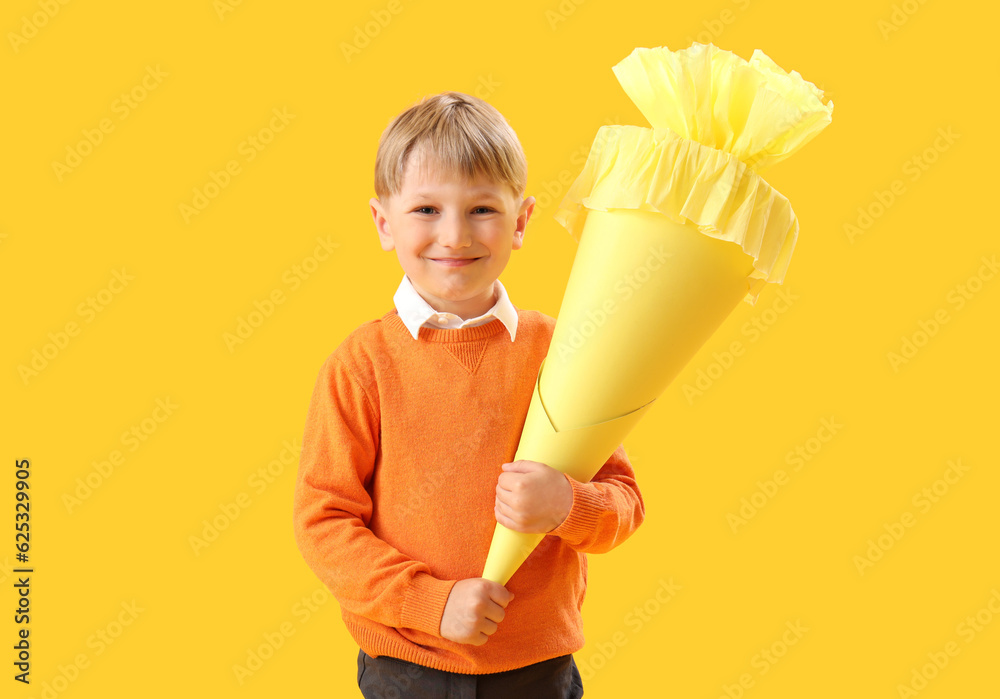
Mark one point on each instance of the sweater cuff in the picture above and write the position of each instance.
(588, 504)
(423, 605)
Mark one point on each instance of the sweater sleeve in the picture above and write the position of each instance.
(605, 510)
(367, 575)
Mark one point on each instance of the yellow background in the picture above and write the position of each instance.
(547, 67)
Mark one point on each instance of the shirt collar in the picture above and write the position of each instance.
(415, 312)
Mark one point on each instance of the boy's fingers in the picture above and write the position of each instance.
(521, 465)
(501, 595)
(496, 613)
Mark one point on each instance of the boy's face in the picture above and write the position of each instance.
(437, 216)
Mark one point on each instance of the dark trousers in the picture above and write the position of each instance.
(386, 677)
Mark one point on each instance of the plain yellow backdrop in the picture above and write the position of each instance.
(853, 433)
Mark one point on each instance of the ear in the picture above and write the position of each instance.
(381, 224)
(527, 206)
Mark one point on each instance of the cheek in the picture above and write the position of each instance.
(415, 245)
(501, 251)
(497, 240)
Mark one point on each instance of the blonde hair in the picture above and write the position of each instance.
(463, 133)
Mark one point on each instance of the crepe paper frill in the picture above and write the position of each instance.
(717, 120)
(656, 212)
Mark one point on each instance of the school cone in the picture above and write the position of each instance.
(675, 226)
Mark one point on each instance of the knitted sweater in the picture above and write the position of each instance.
(394, 497)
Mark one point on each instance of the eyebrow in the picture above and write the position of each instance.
(478, 193)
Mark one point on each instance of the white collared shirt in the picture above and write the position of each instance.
(416, 313)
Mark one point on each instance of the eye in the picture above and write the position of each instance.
(431, 209)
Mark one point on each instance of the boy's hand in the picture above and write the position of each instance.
(532, 497)
(474, 608)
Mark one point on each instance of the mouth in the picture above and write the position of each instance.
(455, 261)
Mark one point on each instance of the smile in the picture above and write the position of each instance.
(456, 263)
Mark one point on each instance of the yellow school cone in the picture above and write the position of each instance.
(674, 226)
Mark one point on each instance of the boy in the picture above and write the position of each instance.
(415, 417)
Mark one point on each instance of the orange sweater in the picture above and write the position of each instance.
(396, 485)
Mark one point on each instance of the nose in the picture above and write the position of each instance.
(454, 232)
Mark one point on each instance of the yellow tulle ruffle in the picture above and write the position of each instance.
(717, 121)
